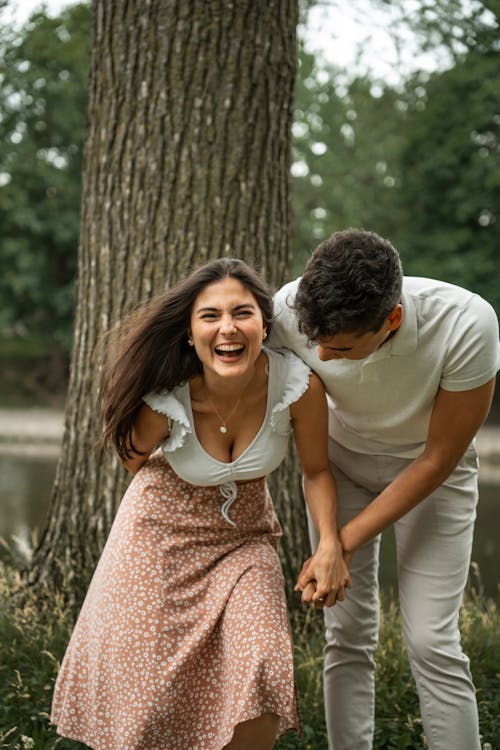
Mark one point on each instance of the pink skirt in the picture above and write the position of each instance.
(184, 632)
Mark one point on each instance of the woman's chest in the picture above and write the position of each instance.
(225, 436)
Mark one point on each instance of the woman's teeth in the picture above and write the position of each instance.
(229, 350)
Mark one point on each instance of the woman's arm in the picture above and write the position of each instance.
(149, 430)
(326, 568)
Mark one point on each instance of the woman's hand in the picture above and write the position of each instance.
(324, 576)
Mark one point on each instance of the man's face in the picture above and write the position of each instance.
(356, 346)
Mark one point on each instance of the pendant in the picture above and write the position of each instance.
(223, 428)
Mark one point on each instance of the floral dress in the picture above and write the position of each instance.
(184, 631)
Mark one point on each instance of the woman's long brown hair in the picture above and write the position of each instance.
(149, 351)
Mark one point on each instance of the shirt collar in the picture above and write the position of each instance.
(405, 340)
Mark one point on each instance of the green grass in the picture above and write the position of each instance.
(35, 630)
(33, 635)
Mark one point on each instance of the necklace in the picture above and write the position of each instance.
(223, 427)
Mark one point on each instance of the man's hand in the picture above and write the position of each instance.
(324, 577)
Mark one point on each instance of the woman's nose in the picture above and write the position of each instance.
(227, 324)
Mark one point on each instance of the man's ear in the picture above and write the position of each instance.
(395, 317)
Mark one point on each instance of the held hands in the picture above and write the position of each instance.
(325, 576)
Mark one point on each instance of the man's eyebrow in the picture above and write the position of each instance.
(339, 348)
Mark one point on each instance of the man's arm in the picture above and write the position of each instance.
(456, 418)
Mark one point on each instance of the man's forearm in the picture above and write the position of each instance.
(456, 418)
(408, 489)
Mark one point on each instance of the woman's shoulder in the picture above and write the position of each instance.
(288, 381)
(172, 404)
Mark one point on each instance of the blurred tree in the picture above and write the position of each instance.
(348, 137)
(348, 133)
(459, 26)
(417, 162)
(450, 177)
(43, 70)
(450, 163)
(187, 157)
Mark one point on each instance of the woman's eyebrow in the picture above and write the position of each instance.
(245, 305)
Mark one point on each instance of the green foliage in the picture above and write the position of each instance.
(33, 635)
(34, 372)
(347, 136)
(458, 25)
(42, 103)
(419, 163)
(34, 631)
(450, 177)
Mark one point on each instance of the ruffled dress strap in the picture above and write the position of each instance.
(290, 383)
(170, 404)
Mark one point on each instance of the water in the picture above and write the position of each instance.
(25, 484)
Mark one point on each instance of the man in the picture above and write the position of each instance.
(409, 367)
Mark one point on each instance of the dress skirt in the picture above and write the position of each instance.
(184, 631)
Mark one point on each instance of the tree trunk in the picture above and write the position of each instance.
(187, 158)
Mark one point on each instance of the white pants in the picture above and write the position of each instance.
(433, 543)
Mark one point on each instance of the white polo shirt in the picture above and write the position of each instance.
(448, 338)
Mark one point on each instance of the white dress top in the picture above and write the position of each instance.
(288, 381)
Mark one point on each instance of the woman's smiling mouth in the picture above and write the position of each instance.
(229, 351)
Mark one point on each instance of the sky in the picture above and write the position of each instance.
(357, 36)
(352, 35)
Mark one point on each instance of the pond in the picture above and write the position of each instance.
(25, 483)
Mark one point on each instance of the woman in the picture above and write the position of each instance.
(183, 640)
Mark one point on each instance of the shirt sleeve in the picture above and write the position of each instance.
(284, 321)
(473, 348)
(292, 381)
(167, 403)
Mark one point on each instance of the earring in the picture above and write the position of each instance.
(190, 342)
(265, 334)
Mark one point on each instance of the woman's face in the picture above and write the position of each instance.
(227, 328)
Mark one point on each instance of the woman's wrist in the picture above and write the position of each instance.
(329, 541)
(346, 539)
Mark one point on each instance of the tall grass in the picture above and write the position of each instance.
(34, 631)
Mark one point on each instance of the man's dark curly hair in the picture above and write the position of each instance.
(351, 284)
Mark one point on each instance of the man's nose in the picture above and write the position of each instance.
(325, 354)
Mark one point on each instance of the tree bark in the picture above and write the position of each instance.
(187, 158)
